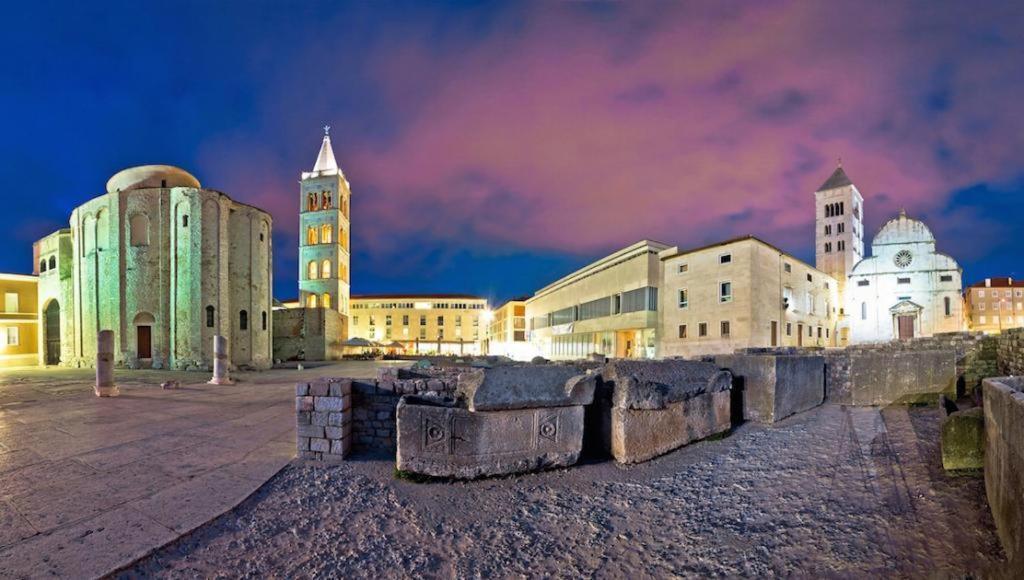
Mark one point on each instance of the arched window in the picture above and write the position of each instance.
(264, 320)
(53, 262)
(311, 301)
(325, 269)
(243, 320)
(863, 310)
(311, 271)
(42, 266)
(949, 306)
(327, 233)
(311, 204)
(311, 235)
(842, 208)
(326, 301)
(138, 226)
(326, 196)
(209, 316)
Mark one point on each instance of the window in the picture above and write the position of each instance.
(423, 320)
(787, 297)
(684, 299)
(209, 316)
(683, 268)
(325, 269)
(440, 320)
(264, 320)
(789, 329)
(327, 233)
(1007, 294)
(903, 280)
(862, 282)
(53, 262)
(11, 303)
(981, 293)
(1017, 293)
(702, 329)
(355, 321)
(725, 328)
(311, 202)
(810, 303)
(840, 245)
(809, 278)
(184, 221)
(42, 266)
(311, 238)
(617, 304)
(387, 332)
(819, 332)
(405, 320)
(787, 267)
(326, 300)
(828, 247)
(682, 331)
(458, 321)
(840, 228)
(261, 236)
(423, 333)
(863, 310)
(387, 320)
(810, 332)
(9, 336)
(983, 321)
(949, 306)
(138, 230)
(725, 259)
(311, 301)
(725, 292)
(828, 230)
(326, 195)
(311, 271)
(243, 320)
(981, 306)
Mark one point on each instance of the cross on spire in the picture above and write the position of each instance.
(327, 130)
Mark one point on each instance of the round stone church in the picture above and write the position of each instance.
(166, 264)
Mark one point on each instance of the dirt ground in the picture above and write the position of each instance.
(834, 492)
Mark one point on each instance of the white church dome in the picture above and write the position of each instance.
(903, 230)
(151, 176)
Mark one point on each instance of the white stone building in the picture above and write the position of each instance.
(166, 264)
(839, 236)
(906, 288)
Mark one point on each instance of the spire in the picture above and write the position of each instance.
(325, 160)
(837, 179)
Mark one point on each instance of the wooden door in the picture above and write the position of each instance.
(906, 327)
(775, 333)
(52, 330)
(145, 338)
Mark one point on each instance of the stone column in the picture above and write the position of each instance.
(220, 362)
(105, 386)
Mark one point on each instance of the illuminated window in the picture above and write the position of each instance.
(311, 271)
(326, 300)
(327, 234)
(311, 202)
(325, 269)
(311, 236)
(11, 302)
(326, 195)
(684, 298)
(725, 292)
(311, 301)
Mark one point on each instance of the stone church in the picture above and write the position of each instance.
(166, 264)
(905, 289)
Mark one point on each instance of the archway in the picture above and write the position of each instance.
(51, 330)
(144, 335)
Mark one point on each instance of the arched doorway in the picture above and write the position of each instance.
(51, 328)
(144, 335)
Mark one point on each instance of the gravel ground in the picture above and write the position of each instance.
(835, 492)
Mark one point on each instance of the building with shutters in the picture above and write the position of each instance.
(995, 304)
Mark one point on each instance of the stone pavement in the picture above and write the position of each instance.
(89, 485)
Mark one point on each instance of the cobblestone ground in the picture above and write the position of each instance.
(835, 492)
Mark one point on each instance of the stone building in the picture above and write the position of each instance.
(839, 235)
(324, 260)
(166, 264)
(19, 320)
(506, 332)
(742, 293)
(906, 288)
(609, 307)
(449, 324)
(995, 304)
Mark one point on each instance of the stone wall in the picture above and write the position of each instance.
(365, 415)
(308, 334)
(1010, 349)
(1004, 462)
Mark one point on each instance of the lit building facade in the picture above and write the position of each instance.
(166, 264)
(995, 304)
(506, 332)
(450, 324)
(19, 320)
(906, 288)
(839, 236)
(742, 293)
(609, 307)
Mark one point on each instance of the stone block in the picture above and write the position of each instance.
(647, 384)
(334, 432)
(303, 403)
(526, 387)
(342, 388)
(963, 439)
(302, 443)
(1004, 462)
(320, 418)
(337, 419)
(448, 441)
(319, 388)
(773, 387)
(304, 418)
(642, 434)
(309, 430)
(302, 389)
(329, 404)
(310, 455)
(884, 378)
(318, 444)
(341, 447)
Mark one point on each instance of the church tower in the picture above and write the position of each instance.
(839, 234)
(324, 233)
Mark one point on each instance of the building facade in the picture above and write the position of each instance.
(166, 264)
(839, 236)
(743, 293)
(906, 288)
(447, 324)
(324, 231)
(609, 307)
(19, 320)
(995, 304)
(506, 332)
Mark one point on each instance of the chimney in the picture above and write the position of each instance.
(988, 282)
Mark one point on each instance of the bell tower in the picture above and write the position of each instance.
(839, 234)
(324, 258)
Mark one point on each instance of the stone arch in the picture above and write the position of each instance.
(88, 234)
(53, 262)
(325, 301)
(311, 239)
(143, 323)
(102, 229)
(310, 300)
(42, 265)
(311, 202)
(325, 269)
(311, 270)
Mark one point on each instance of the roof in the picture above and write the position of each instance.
(325, 160)
(675, 251)
(836, 180)
(612, 259)
(432, 296)
(999, 282)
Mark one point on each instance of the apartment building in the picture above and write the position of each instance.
(742, 293)
(19, 321)
(995, 304)
(450, 324)
(506, 332)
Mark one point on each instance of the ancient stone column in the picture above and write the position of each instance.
(220, 362)
(105, 386)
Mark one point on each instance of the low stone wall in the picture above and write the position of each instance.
(323, 410)
(775, 386)
(1010, 350)
(1004, 462)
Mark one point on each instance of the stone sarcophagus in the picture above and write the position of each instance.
(436, 437)
(649, 408)
(775, 386)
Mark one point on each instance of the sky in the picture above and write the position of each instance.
(495, 147)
